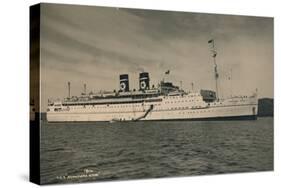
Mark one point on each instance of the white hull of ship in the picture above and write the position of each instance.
(243, 111)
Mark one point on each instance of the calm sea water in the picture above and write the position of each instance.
(81, 152)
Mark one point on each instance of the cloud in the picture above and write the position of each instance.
(96, 44)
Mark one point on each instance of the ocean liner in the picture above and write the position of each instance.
(164, 102)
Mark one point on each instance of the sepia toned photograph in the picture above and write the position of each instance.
(122, 94)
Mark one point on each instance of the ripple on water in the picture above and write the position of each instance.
(155, 149)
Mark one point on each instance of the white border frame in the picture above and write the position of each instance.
(14, 37)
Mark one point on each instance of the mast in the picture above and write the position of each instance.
(68, 84)
(181, 85)
(85, 89)
(231, 82)
(214, 54)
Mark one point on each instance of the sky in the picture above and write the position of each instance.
(93, 45)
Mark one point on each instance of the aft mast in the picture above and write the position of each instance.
(214, 54)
